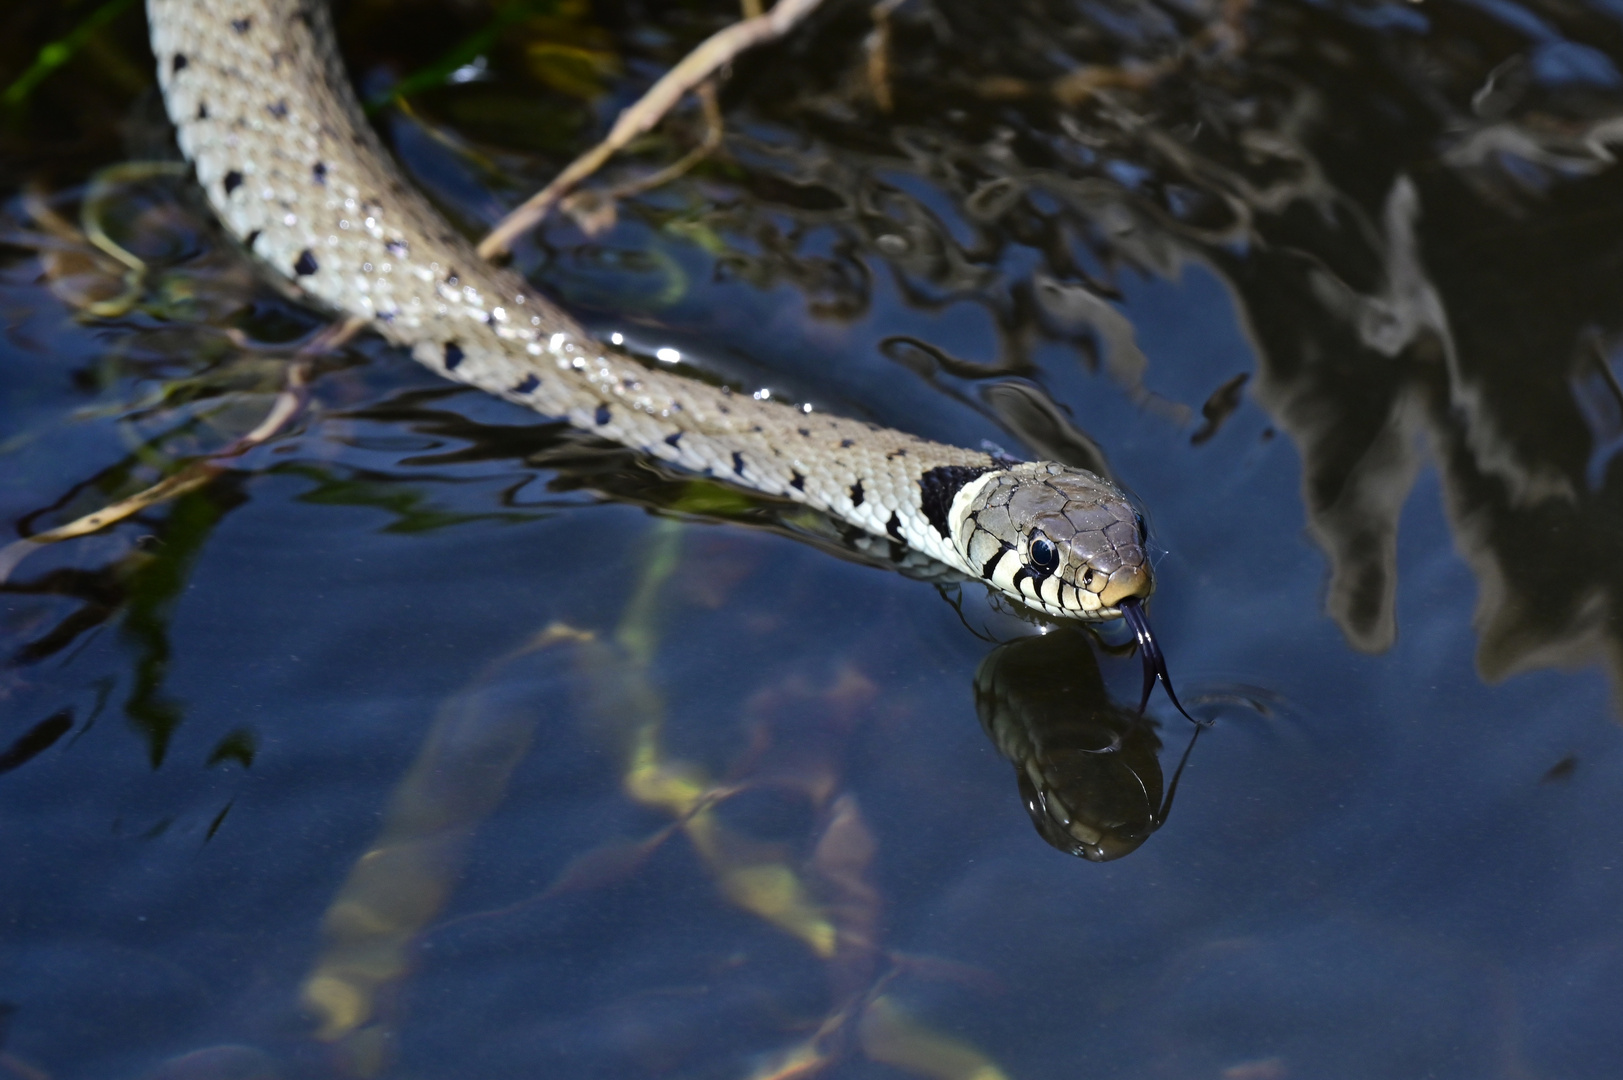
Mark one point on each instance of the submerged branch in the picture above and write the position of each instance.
(289, 403)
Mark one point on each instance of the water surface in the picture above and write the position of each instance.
(664, 780)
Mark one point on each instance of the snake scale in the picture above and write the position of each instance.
(265, 112)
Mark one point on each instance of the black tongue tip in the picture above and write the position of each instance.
(1155, 664)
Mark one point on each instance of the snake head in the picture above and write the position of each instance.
(1057, 539)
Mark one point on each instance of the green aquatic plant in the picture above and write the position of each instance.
(53, 54)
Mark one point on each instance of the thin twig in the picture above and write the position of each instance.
(718, 50)
(877, 45)
(1224, 34)
(69, 252)
(288, 404)
(103, 187)
(1223, 37)
(594, 211)
(713, 130)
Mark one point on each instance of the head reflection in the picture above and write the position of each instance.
(1088, 769)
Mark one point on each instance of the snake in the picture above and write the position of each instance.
(265, 113)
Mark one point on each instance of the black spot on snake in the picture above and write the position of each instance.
(453, 355)
(738, 463)
(673, 438)
(306, 265)
(896, 454)
(797, 481)
(939, 486)
(397, 248)
(241, 25)
(856, 493)
(278, 110)
(602, 416)
(232, 181)
(318, 172)
(178, 63)
(894, 526)
(846, 444)
(251, 239)
(804, 434)
(527, 385)
(202, 110)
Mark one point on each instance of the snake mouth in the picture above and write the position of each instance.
(1155, 663)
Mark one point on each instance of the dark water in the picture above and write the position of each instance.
(1379, 243)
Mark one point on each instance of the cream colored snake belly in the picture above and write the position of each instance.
(265, 112)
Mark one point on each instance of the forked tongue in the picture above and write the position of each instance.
(1155, 664)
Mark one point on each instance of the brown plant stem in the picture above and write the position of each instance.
(698, 67)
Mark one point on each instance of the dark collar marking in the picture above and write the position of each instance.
(939, 486)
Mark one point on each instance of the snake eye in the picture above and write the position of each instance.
(1042, 555)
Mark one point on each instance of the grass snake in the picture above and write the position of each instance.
(264, 111)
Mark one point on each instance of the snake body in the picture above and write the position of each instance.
(263, 109)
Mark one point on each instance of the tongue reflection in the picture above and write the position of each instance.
(1155, 665)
